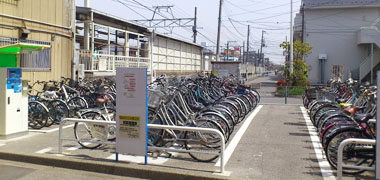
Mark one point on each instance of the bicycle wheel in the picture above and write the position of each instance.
(38, 115)
(240, 108)
(90, 101)
(357, 155)
(111, 101)
(75, 104)
(83, 133)
(234, 110)
(222, 122)
(203, 142)
(58, 110)
(110, 115)
(154, 135)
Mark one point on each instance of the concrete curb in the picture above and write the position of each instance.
(120, 169)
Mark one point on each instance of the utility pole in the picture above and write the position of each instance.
(247, 55)
(242, 52)
(303, 22)
(261, 48)
(87, 29)
(291, 38)
(219, 24)
(242, 59)
(228, 47)
(195, 26)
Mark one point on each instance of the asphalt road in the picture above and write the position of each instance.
(268, 89)
(10, 170)
(273, 143)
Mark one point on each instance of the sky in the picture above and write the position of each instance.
(272, 16)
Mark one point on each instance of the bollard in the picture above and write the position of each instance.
(286, 94)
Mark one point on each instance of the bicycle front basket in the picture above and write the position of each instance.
(155, 98)
(325, 96)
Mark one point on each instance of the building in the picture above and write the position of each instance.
(342, 34)
(251, 57)
(208, 57)
(36, 35)
(121, 43)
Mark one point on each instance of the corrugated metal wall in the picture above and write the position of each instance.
(56, 12)
(175, 56)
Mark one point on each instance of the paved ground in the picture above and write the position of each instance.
(276, 145)
(279, 147)
(11, 170)
(272, 143)
(268, 89)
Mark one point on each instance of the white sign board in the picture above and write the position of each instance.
(131, 111)
(98, 131)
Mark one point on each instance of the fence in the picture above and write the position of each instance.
(272, 93)
(150, 126)
(105, 62)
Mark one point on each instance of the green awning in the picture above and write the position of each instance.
(18, 47)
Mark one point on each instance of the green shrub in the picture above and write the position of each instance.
(296, 91)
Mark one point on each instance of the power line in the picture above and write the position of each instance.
(255, 11)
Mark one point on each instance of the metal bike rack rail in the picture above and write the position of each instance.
(152, 126)
(85, 121)
(183, 128)
(340, 155)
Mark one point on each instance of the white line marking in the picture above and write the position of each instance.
(51, 130)
(42, 151)
(235, 141)
(226, 173)
(326, 171)
(35, 134)
(139, 159)
(77, 146)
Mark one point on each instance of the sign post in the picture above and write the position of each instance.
(131, 111)
(377, 154)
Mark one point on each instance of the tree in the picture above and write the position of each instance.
(300, 69)
(300, 50)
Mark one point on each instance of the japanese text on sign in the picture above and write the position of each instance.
(130, 126)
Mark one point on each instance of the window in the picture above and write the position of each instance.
(36, 60)
(337, 72)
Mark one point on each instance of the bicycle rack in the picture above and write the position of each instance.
(85, 121)
(183, 128)
(152, 126)
(340, 155)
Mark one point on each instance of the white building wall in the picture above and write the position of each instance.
(333, 32)
(171, 55)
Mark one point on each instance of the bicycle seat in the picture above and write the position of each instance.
(102, 100)
(352, 110)
(197, 107)
(362, 117)
(207, 102)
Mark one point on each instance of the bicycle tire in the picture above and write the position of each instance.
(212, 145)
(83, 127)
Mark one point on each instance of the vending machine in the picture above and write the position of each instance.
(13, 102)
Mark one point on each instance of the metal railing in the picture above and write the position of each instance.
(151, 126)
(84, 121)
(184, 128)
(6, 41)
(108, 63)
(365, 66)
(340, 155)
